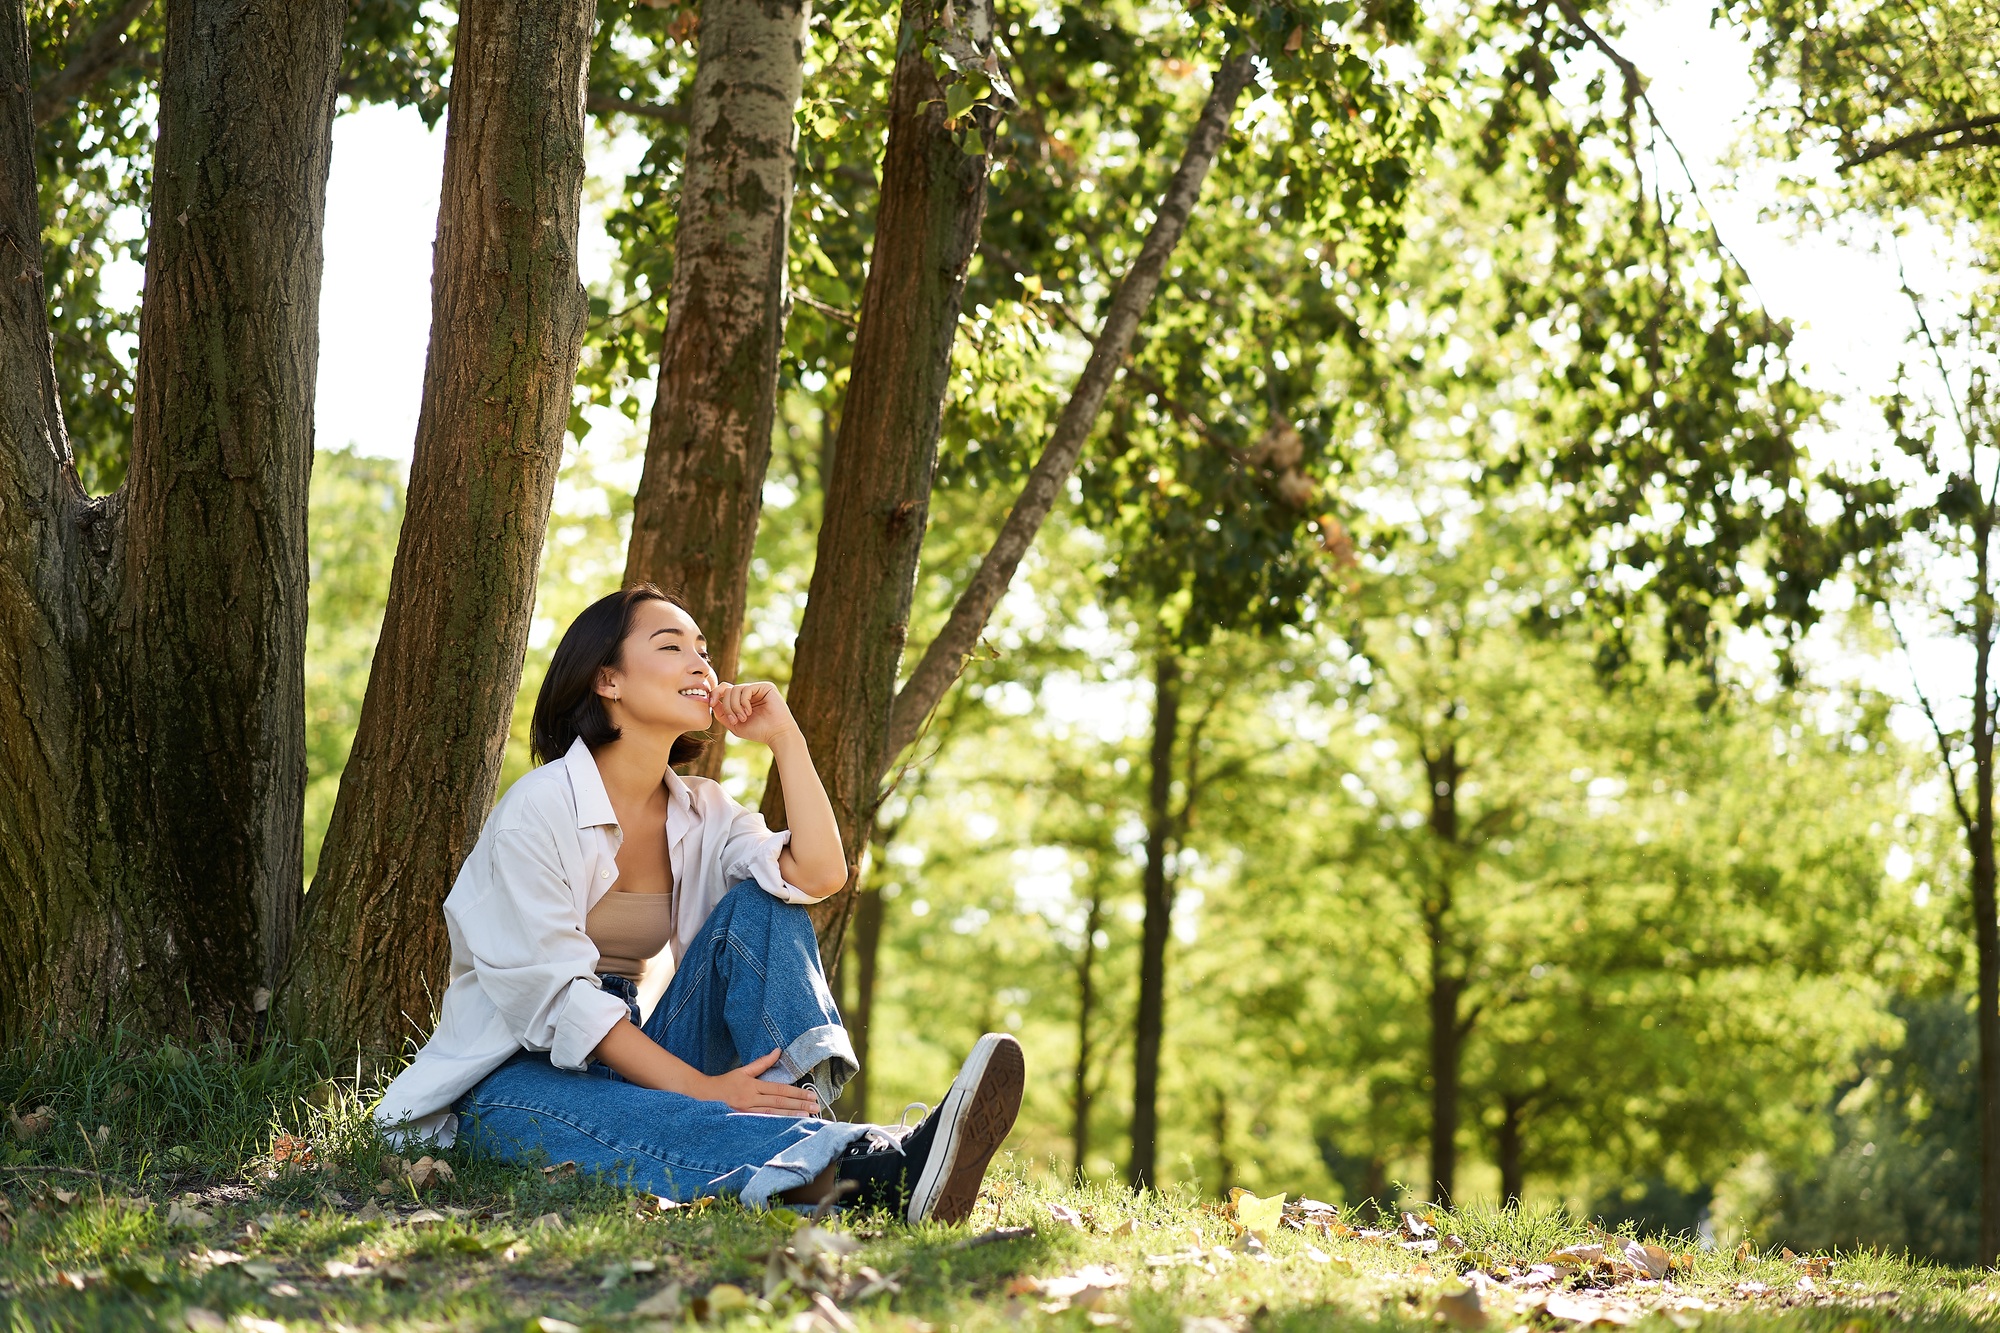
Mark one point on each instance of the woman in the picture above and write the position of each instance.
(602, 870)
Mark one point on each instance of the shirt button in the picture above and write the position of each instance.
(607, 874)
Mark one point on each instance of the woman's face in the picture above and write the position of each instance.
(663, 681)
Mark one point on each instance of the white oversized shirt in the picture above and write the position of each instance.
(523, 970)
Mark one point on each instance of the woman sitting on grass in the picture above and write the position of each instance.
(602, 871)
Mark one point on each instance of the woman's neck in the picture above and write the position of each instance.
(634, 766)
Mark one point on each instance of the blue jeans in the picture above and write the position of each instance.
(749, 983)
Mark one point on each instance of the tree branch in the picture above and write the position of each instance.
(100, 53)
(1918, 142)
(603, 103)
(1937, 728)
(947, 653)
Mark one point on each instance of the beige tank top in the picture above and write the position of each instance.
(628, 929)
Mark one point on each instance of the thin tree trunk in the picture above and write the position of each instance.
(850, 644)
(694, 520)
(152, 643)
(1150, 1026)
(1086, 1009)
(1507, 1148)
(1225, 1165)
(947, 653)
(1447, 986)
(869, 911)
(1986, 929)
(1445, 989)
(507, 317)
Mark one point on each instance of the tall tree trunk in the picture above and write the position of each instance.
(946, 655)
(1507, 1148)
(1986, 929)
(1086, 1009)
(1447, 984)
(152, 643)
(850, 644)
(694, 520)
(1159, 900)
(507, 317)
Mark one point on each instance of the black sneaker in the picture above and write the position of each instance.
(936, 1170)
(950, 1149)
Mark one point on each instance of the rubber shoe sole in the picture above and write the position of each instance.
(975, 1119)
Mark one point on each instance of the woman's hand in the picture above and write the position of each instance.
(753, 712)
(741, 1089)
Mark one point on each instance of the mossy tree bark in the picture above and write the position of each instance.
(152, 642)
(850, 646)
(694, 519)
(507, 320)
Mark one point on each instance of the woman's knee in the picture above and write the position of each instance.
(748, 901)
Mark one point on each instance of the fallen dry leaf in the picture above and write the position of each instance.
(1258, 1217)
(1462, 1308)
(1584, 1310)
(663, 1304)
(560, 1171)
(186, 1215)
(32, 1125)
(1577, 1256)
(1068, 1217)
(291, 1149)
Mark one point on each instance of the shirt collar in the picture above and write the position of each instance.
(593, 803)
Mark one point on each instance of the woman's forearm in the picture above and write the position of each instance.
(815, 862)
(641, 1060)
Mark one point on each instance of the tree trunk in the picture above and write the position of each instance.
(868, 914)
(946, 655)
(1986, 929)
(1507, 1148)
(850, 644)
(1447, 986)
(507, 318)
(1159, 899)
(694, 520)
(1225, 1165)
(1445, 989)
(152, 643)
(1086, 1007)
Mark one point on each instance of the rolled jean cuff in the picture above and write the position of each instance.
(829, 1041)
(799, 1164)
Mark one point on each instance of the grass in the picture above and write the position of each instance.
(230, 1191)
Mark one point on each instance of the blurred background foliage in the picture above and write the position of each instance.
(1453, 459)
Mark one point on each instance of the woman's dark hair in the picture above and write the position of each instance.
(569, 705)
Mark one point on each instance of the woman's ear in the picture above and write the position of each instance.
(607, 683)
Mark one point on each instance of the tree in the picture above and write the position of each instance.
(154, 640)
(506, 330)
(694, 521)
(1905, 99)
(933, 195)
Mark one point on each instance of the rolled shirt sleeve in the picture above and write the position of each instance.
(528, 946)
(750, 851)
